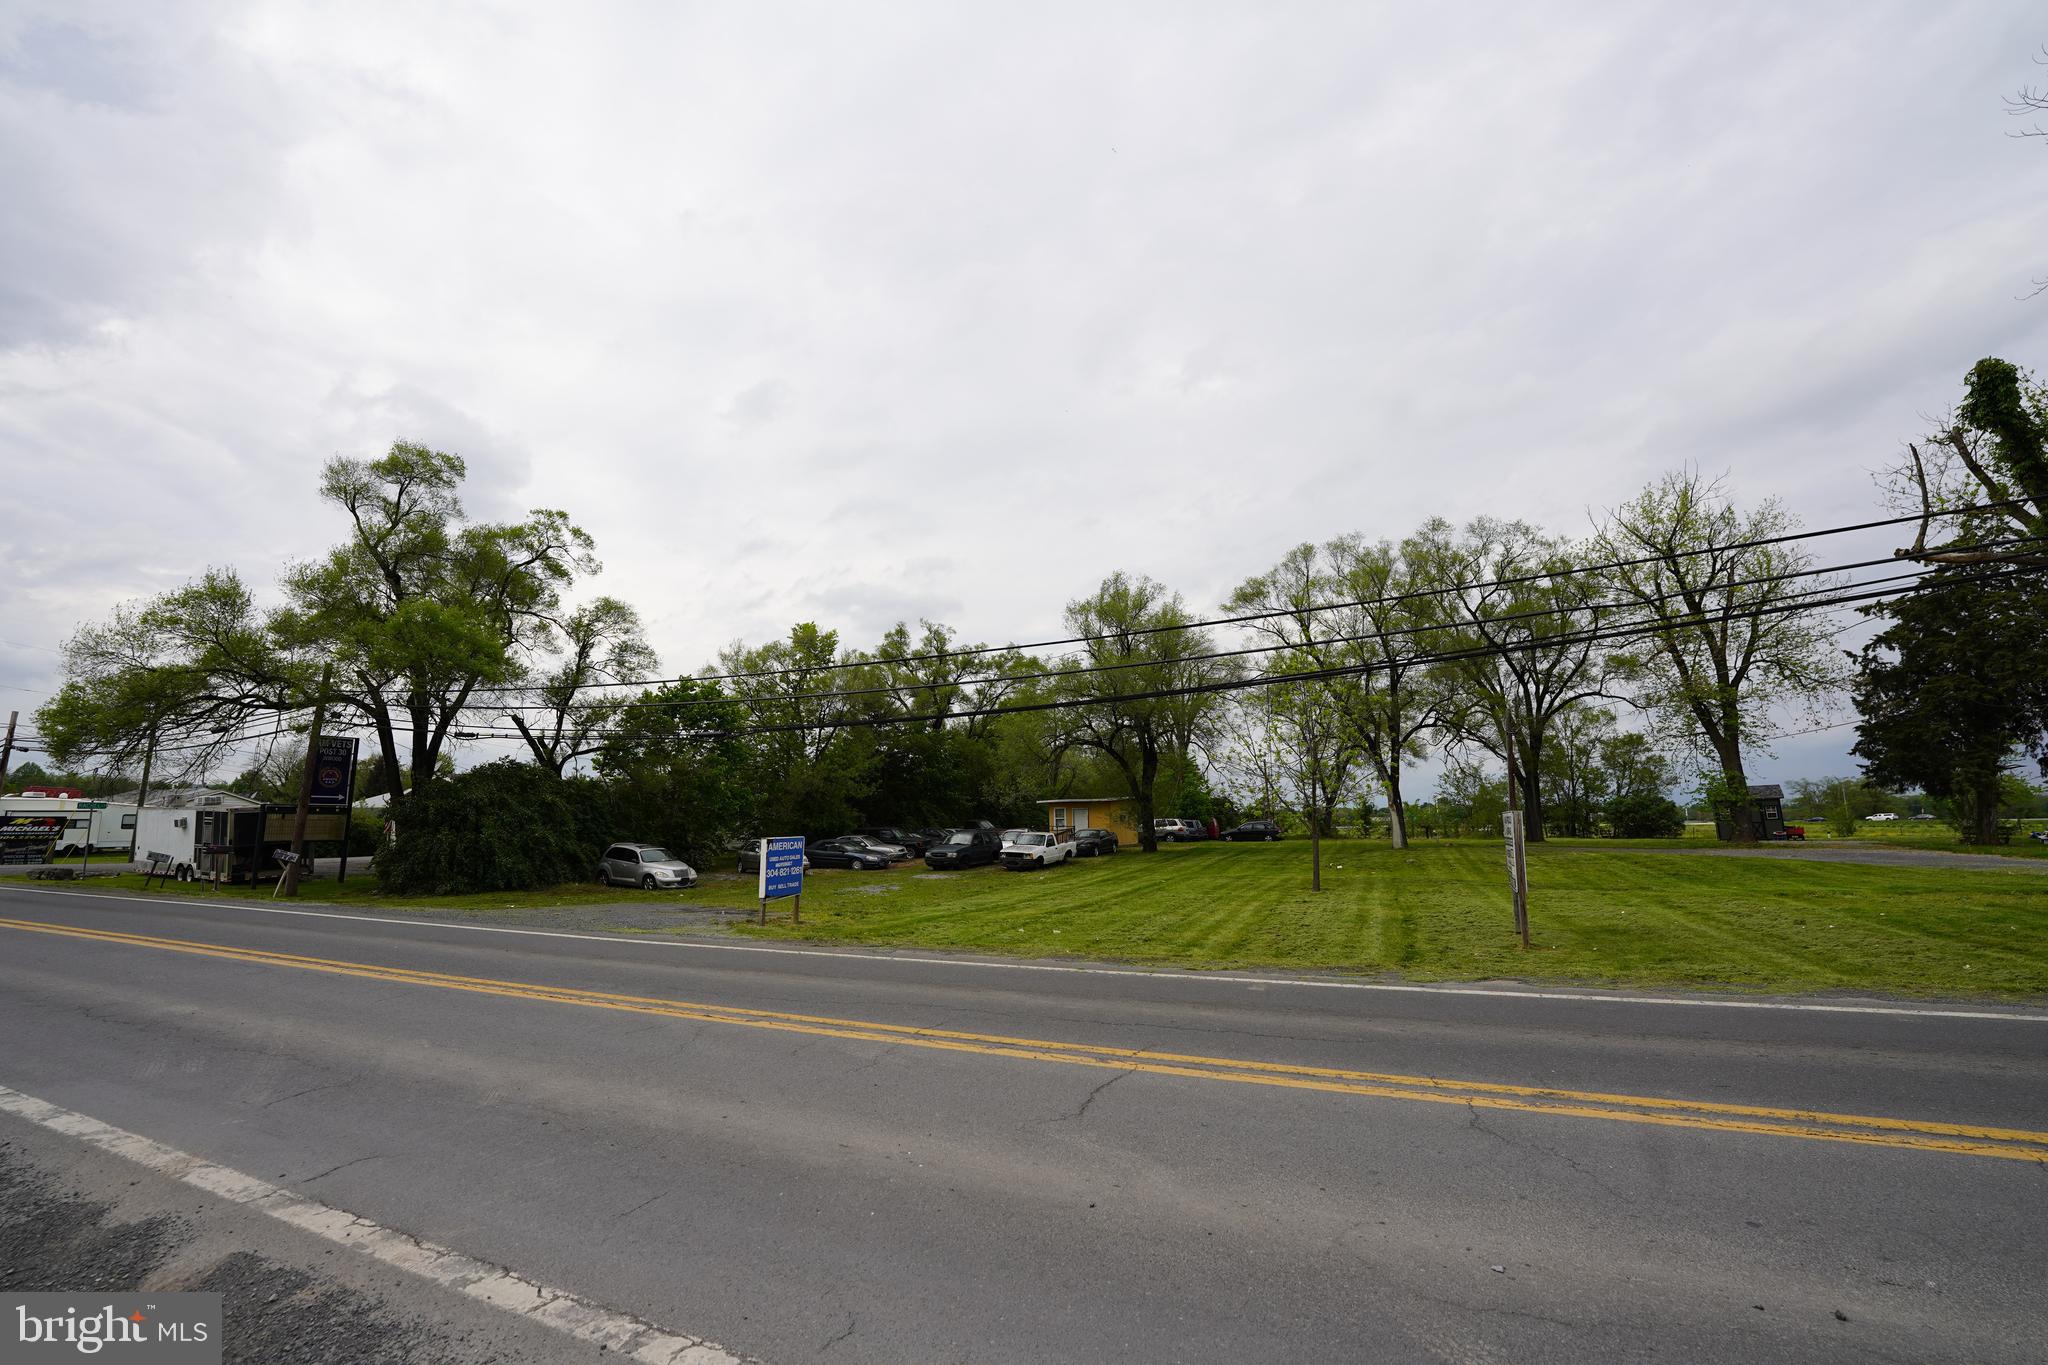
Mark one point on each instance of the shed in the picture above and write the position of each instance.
(1766, 813)
(1118, 814)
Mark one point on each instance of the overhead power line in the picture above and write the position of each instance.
(1599, 635)
(1548, 575)
(1048, 674)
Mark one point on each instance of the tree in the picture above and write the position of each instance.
(1348, 605)
(30, 774)
(1953, 690)
(1992, 450)
(419, 608)
(504, 826)
(1728, 640)
(187, 666)
(1575, 784)
(1645, 815)
(1515, 605)
(570, 706)
(1634, 767)
(1140, 631)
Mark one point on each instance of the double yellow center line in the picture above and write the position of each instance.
(1868, 1130)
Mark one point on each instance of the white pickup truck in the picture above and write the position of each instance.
(1026, 849)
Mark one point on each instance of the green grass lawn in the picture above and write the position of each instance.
(1601, 914)
(1440, 911)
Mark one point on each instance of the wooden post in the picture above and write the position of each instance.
(7, 750)
(1518, 866)
(291, 871)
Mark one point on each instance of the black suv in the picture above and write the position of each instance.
(965, 848)
(1259, 831)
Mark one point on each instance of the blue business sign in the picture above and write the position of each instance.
(782, 867)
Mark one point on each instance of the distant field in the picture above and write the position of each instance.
(1601, 912)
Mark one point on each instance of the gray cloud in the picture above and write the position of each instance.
(800, 310)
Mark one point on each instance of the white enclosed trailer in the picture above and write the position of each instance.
(109, 830)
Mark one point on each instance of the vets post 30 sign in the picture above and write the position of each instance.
(334, 773)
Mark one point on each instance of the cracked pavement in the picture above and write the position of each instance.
(792, 1196)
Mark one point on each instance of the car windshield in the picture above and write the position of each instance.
(962, 838)
(656, 855)
(1031, 839)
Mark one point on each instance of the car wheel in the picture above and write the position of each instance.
(604, 878)
(647, 882)
(1272, 838)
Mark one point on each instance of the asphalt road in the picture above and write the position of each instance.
(862, 1157)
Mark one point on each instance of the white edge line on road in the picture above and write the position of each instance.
(2020, 1016)
(559, 1309)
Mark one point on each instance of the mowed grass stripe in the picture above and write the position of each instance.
(1929, 1135)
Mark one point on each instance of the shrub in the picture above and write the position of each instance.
(505, 826)
(1645, 815)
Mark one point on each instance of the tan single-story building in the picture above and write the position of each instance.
(1118, 814)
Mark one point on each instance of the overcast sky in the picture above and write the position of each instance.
(857, 313)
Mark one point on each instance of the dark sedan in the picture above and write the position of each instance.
(906, 839)
(1253, 831)
(750, 858)
(965, 848)
(1093, 843)
(845, 853)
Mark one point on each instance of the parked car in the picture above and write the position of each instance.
(965, 848)
(647, 866)
(750, 858)
(1179, 831)
(1883, 816)
(848, 853)
(895, 853)
(1922, 816)
(932, 836)
(1036, 848)
(1093, 843)
(1251, 831)
(902, 838)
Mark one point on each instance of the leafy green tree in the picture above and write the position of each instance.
(420, 608)
(1634, 766)
(1575, 784)
(569, 706)
(1992, 450)
(1469, 799)
(1347, 605)
(30, 774)
(1516, 606)
(1136, 625)
(1729, 645)
(412, 614)
(1645, 815)
(677, 772)
(503, 826)
(1953, 690)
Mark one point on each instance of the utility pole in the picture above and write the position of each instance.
(7, 749)
(142, 794)
(1511, 828)
(291, 871)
